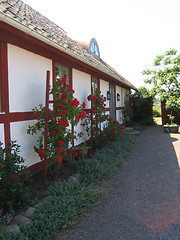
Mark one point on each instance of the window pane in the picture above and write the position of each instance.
(94, 84)
(62, 70)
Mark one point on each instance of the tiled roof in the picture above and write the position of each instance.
(25, 15)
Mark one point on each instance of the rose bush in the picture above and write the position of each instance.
(66, 113)
(105, 128)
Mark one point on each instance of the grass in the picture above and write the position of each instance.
(158, 120)
(69, 200)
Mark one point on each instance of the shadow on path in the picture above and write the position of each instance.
(143, 199)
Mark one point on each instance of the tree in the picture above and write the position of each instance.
(166, 78)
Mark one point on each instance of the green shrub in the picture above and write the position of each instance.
(105, 161)
(156, 113)
(13, 194)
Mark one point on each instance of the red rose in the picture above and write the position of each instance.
(64, 96)
(115, 122)
(59, 150)
(38, 126)
(105, 98)
(74, 102)
(54, 121)
(76, 154)
(83, 115)
(64, 152)
(84, 105)
(99, 100)
(110, 119)
(70, 156)
(61, 143)
(94, 98)
(94, 111)
(110, 138)
(53, 133)
(96, 117)
(63, 113)
(121, 133)
(41, 153)
(59, 159)
(74, 150)
(58, 105)
(64, 79)
(59, 81)
(89, 97)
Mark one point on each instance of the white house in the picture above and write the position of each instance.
(31, 45)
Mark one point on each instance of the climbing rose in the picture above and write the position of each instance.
(63, 113)
(64, 96)
(84, 105)
(94, 98)
(53, 133)
(89, 97)
(70, 156)
(54, 121)
(59, 150)
(83, 115)
(121, 133)
(74, 102)
(99, 100)
(61, 143)
(64, 152)
(115, 122)
(96, 117)
(59, 159)
(110, 138)
(110, 119)
(94, 111)
(41, 153)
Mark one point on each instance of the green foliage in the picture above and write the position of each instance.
(105, 161)
(165, 78)
(156, 113)
(13, 194)
(141, 110)
(66, 112)
(69, 200)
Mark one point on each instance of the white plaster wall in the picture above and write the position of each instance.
(104, 87)
(119, 116)
(118, 90)
(2, 134)
(82, 86)
(27, 79)
(27, 142)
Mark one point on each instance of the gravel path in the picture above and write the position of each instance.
(142, 200)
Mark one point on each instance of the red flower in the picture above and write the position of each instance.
(74, 102)
(121, 133)
(54, 121)
(53, 133)
(59, 150)
(41, 153)
(94, 111)
(113, 131)
(110, 138)
(64, 106)
(70, 156)
(84, 105)
(115, 122)
(58, 105)
(38, 126)
(123, 127)
(94, 98)
(64, 152)
(110, 119)
(64, 96)
(59, 159)
(105, 98)
(99, 100)
(76, 154)
(59, 81)
(68, 87)
(63, 113)
(64, 79)
(74, 150)
(61, 143)
(89, 97)
(83, 115)
(96, 117)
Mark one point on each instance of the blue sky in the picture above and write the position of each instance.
(129, 33)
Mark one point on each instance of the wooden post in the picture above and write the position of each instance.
(46, 122)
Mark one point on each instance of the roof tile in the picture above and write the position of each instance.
(24, 14)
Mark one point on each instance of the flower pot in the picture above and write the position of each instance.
(171, 129)
(83, 152)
